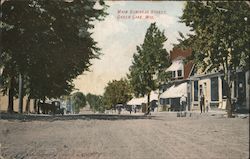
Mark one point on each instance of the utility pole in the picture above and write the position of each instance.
(20, 95)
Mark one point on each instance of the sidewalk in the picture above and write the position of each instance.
(217, 113)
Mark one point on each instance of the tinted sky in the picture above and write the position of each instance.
(118, 38)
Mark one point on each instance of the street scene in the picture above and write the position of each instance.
(101, 79)
(161, 137)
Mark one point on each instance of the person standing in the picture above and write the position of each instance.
(207, 106)
(183, 103)
(201, 101)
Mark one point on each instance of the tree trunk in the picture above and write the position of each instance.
(35, 105)
(228, 84)
(38, 107)
(11, 96)
(148, 104)
(27, 108)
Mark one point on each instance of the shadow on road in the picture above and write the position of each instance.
(41, 117)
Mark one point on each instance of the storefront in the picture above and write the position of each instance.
(212, 86)
(171, 97)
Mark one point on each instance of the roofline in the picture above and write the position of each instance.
(197, 77)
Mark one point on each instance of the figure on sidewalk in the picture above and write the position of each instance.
(183, 102)
(207, 106)
(135, 109)
(201, 101)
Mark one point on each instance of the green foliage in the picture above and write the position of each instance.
(48, 42)
(221, 36)
(147, 72)
(117, 92)
(95, 102)
(78, 101)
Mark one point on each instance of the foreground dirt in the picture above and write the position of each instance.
(156, 138)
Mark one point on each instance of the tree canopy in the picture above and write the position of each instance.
(147, 71)
(117, 92)
(221, 33)
(48, 42)
(95, 102)
(78, 101)
(221, 36)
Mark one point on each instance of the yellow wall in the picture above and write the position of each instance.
(206, 87)
(4, 104)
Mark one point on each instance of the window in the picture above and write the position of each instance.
(161, 101)
(214, 89)
(167, 101)
(195, 90)
(179, 73)
(173, 74)
(164, 101)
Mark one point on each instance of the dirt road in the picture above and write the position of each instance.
(157, 138)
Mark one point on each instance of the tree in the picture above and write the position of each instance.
(117, 92)
(147, 72)
(95, 102)
(48, 43)
(221, 36)
(78, 101)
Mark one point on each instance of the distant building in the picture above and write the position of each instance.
(139, 103)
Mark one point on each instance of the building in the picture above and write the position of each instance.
(4, 104)
(139, 103)
(180, 72)
(212, 85)
(191, 82)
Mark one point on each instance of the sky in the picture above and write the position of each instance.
(119, 34)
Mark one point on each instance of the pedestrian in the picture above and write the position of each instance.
(207, 106)
(183, 104)
(201, 101)
(148, 110)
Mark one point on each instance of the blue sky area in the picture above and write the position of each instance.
(118, 38)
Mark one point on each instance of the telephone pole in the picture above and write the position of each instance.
(20, 94)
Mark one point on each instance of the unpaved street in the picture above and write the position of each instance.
(156, 138)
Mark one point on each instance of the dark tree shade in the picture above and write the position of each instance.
(48, 42)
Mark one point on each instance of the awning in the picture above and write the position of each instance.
(176, 65)
(139, 101)
(175, 91)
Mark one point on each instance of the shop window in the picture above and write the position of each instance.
(214, 89)
(164, 101)
(167, 101)
(161, 101)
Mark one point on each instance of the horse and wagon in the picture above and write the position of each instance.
(53, 108)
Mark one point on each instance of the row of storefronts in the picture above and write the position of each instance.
(210, 85)
(188, 81)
